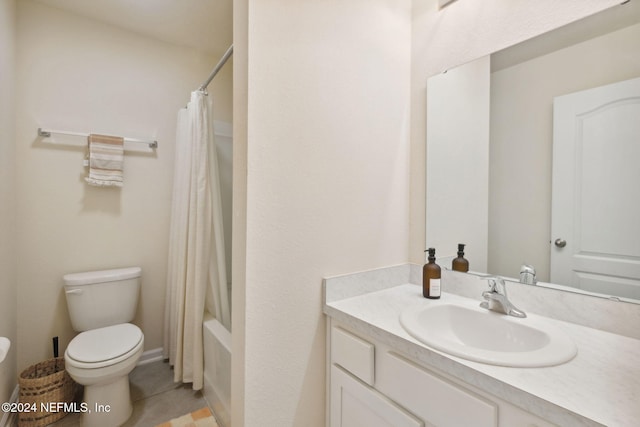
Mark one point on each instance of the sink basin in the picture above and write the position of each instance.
(465, 330)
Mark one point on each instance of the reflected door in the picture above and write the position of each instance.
(595, 224)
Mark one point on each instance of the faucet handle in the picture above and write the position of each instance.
(496, 284)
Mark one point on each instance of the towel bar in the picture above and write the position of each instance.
(46, 133)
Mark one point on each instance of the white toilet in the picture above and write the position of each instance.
(101, 303)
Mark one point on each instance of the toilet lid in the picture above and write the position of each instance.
(98, 345)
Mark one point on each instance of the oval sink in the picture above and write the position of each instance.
(465, 330)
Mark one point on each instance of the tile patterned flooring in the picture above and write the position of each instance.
(156, 398)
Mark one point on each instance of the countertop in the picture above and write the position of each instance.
(600, 386)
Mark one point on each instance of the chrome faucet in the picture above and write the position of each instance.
(496, 298)
(528, 275)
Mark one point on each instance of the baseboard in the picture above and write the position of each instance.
(149, 356)
(9, 419)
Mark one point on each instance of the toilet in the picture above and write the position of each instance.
(101, 304)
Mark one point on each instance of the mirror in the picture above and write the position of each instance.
(505, 216)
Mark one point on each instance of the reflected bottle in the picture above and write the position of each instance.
(460, 263)
(431, 276)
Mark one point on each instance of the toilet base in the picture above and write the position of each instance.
(108, 405)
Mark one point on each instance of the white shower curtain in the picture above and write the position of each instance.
(196, 243)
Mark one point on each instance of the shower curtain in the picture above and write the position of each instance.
(196, 243)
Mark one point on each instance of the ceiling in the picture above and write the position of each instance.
(202, 24)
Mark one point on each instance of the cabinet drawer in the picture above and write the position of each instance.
(354, 404)
(430, 397)
(353, 354)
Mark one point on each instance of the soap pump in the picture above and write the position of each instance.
(460, 263)
(431, 277)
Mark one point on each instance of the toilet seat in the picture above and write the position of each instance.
(106, 346)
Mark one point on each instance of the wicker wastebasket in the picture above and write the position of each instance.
(42, 385)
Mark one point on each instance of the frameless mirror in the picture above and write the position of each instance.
(552, 151)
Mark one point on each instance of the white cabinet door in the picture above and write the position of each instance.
(512, 416)
(354, 404)
(431, 397)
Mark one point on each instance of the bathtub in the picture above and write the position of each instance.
(217, 368)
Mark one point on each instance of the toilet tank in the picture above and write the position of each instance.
(96, 299)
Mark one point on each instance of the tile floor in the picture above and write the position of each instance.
(156, 398)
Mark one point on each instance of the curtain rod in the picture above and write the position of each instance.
(222, 61)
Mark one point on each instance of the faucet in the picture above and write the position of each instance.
(528, 275)
(496, 298)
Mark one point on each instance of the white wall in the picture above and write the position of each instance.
(463, 31)
(8, 311)
(521, 233)
(79, 75)
(326, 186)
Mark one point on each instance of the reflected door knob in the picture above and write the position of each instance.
(561, 243)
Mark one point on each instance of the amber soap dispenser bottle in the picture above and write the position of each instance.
(460, 263)
(431, 276)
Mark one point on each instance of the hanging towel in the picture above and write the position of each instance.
(106, 157)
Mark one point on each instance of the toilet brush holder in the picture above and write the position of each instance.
(44, 389)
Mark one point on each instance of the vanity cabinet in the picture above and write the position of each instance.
(354, 404)
(353, 400)
(372, 385)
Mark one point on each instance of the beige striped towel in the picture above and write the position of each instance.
(106, 158)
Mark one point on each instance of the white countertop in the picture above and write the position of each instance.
(600, 386)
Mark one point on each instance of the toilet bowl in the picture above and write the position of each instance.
(101, 357)
(101, 360)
